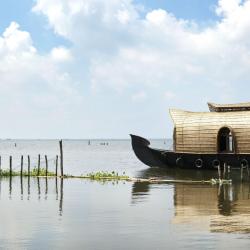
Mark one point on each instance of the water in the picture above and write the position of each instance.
(83, 214)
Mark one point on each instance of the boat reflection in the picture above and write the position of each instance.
(26, 187)
(215, 208)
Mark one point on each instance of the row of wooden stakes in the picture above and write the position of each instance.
(38, 164)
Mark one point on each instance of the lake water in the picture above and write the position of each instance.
(82, 214)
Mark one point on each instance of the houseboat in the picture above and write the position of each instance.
(203, 139)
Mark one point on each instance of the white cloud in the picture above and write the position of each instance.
(32, 85)
(115, 46)
(61, 54)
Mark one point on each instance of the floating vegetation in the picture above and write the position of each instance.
(104, 175)
(101, 175)
(33, 172)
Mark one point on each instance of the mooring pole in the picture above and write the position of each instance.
(21, 165)
(46, 162)
(61, 157)
(219, 171)
(56, 164)
(38, 165)
(10, 165)
(28, 165)
(241, 172)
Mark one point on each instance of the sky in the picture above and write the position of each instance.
(107, 68)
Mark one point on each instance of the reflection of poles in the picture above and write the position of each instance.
(61, 197)
(21, 182)
(46, 188)
(224, 200)
(10, 186)
(38, 188)
(28, 187)
(56, 189)
(241, 172)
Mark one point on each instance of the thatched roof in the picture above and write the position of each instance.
(213, 107)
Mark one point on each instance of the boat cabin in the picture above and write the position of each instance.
(225, 129)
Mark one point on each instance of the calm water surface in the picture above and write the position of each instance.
(82, 214)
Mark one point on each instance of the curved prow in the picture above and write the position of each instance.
(149, 156)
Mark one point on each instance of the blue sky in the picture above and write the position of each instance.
(107, 68)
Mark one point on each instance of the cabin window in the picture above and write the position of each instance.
(225, 141)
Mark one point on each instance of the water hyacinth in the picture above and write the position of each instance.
(106, 175)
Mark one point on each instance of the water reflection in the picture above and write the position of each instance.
(216, 208)
(27, 181)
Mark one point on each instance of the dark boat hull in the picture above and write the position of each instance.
(165, 158)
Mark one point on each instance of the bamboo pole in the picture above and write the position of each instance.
(61, 157)
(219, 171)
(28, 165)
(46, 162)
(241, 172)
(21, 165)
(38, 165)
(10, 165)
(56, 165)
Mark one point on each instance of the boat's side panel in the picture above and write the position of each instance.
(164, 158)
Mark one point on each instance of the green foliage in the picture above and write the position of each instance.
(106, 175)
(33, 172)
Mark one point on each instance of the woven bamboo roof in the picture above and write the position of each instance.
(213, 107)
(196, 132)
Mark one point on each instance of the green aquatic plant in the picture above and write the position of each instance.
(6, 173)
(33, 172)
(106, 175)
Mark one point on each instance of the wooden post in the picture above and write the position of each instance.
(61, 157)
(219, 171)
(46, 162)
(21, 165)
(38, 165)
(56, 165)
(10, 165)
(28, 165)
(241, 172)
